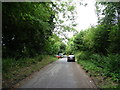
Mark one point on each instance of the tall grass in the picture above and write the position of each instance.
(107, 66)
(11, 63)
(15, 70)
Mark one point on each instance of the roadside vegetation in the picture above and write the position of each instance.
(16, 70)
(104, 69)
(97, 49)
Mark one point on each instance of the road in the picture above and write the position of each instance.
(60, 74)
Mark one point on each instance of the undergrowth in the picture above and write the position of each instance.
(106, 67)
(15, 70)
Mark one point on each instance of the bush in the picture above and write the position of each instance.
(108, 64)
(83, 55)
(114, 38)
(11, 63)
(14, 70)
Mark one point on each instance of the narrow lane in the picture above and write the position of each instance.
(60, 74)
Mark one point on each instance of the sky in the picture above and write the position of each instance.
(86, 16)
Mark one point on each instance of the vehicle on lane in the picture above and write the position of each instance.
(58, 56)
(70, 58)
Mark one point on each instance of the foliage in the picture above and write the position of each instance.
(28, 29)
(78, 41)
(114, 38)
(92, 40)
(10, 63)
(108, 65)
(53, 44)
(110, 12)
(15, 71)
(101, 80)
(83, 55)
(62, 47)
(66, 11)
(111, 20)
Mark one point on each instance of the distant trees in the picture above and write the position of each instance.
(54, 45)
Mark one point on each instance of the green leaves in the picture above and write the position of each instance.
(104, 65)
(65, 17)
(29, 25)
(110, 13)
(71, 8)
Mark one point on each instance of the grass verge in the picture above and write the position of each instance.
(97, 75)
(14, 71)
(104, 70)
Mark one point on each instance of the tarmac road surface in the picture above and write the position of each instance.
(60, 74)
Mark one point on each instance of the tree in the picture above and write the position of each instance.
(111, 21)
(26, 28)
